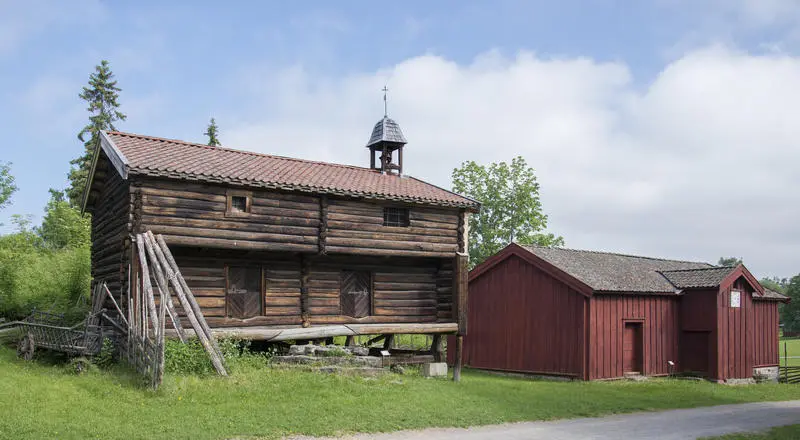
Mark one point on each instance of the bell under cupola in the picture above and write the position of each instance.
(386, 139)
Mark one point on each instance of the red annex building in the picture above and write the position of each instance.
(595, 315)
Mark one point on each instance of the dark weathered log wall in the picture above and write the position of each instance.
(356, 227)
(405, 290)
(110, 230)
(194, 214)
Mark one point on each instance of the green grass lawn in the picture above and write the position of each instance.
(792, 349)
(790, 432)
(40, 401)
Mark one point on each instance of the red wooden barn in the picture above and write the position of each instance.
(595, 315)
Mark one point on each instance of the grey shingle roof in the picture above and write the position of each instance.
(608, 272)
(697, 278)
(386, 130)
(771, 294)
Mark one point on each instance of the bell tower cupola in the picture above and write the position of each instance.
(386, 139)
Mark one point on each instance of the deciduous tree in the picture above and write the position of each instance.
(790, 315)
(511, 210)
(63, 226)
(729, 261)
(7, 186)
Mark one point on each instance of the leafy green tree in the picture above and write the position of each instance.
(777, 284)
(511, 210)
(213, 133)
(102, 95)
(64, 226)
(790, 315)
(729, 261)
(7, 186)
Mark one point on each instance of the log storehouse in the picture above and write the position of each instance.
(277, 248)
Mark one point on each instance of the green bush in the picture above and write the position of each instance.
(191, 357)
(107, 356)
(32, 275)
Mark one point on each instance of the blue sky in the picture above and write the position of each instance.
(637, 115)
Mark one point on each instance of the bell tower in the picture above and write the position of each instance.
(386, 139)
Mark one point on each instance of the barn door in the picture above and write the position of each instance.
(696, 355)
(356, 293)
(244, 291)
(632, 348)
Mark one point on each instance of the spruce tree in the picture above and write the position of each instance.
(212, 132)
(102, 95)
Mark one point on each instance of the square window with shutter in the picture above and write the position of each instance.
(355, 295)
(243, 298)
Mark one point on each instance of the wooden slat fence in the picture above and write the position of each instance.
(789, 374)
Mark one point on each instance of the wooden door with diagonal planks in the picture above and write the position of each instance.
(356, 293)
(244, 292)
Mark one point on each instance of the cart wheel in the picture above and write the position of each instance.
(26, 347)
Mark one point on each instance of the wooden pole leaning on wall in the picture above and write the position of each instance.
(209, 344)
(147, 287)
(188, 292)
(163, 287)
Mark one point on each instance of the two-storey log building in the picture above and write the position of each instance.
(268, 242)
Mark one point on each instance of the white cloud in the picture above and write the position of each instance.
(20, 21)
(700, 163)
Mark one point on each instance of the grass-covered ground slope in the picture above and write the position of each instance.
(41, 401)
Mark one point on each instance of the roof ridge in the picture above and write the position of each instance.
(245, 152)
(698, 269)
(623, 255)
(439, 187)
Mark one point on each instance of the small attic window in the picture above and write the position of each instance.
(238, 202)
(395, 217)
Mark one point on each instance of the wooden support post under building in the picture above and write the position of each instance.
(460, 292)
(348, 342)
(458, 362)
(388, 342)
(436, 347)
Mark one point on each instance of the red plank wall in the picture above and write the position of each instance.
(698, 336)
(521, 319)
(608, 313)
(735, 333)
(765, 325)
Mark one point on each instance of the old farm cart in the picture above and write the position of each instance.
(47, 330)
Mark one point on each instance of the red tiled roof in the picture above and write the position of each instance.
(146, 155)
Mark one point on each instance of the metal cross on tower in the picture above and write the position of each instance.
(385, 108)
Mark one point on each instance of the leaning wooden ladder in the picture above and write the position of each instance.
(144, 345)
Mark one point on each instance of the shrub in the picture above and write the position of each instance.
(107, 356)
(191, 357)
(31, 276)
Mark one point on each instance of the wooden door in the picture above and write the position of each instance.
(244, 292)
(632, 348)
(356, 293)
(695, 352)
